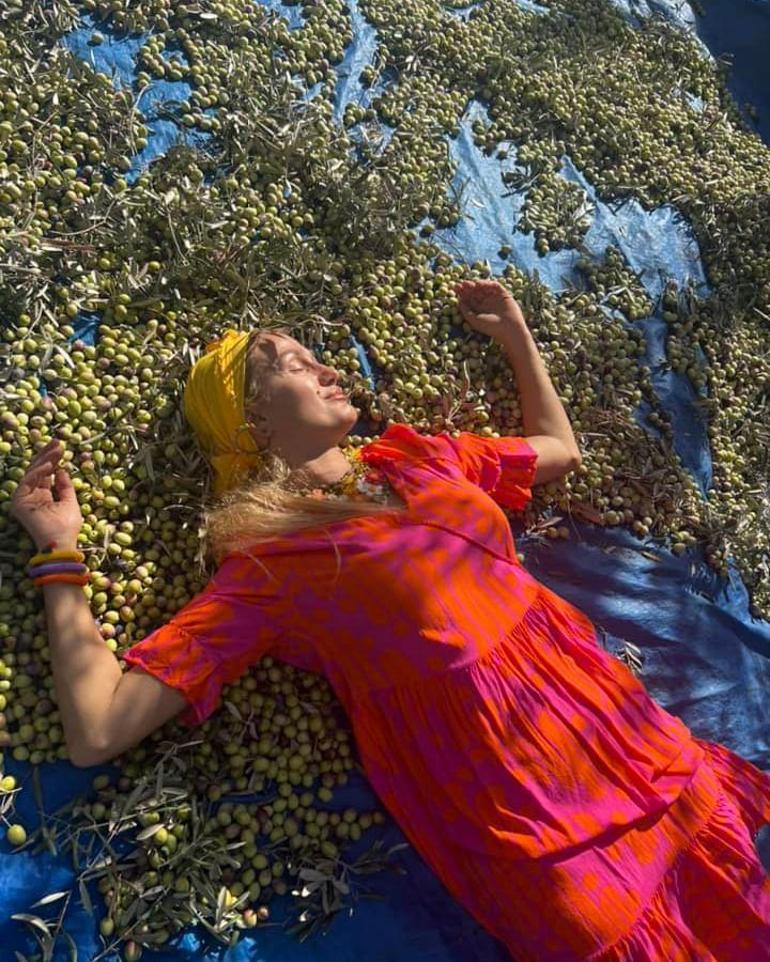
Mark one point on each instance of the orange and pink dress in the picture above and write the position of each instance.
(571, 815)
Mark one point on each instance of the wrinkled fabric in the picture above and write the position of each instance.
(568, 812)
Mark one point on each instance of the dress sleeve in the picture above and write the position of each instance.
(503, 467)
(212, 640)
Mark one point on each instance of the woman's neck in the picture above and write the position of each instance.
(323, 471)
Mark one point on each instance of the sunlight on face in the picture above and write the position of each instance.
(301, 408)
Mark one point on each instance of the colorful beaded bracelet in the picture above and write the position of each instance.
(63, 555)
(67, 579)
(70, 567)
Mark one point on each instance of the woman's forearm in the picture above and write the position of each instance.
(85, 671)
(541, 409)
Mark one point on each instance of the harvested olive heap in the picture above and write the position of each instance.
(281, 214)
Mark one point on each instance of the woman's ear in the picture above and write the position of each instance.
(258, 427)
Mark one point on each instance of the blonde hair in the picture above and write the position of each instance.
(264, 507)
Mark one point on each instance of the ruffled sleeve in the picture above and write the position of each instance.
(400, 442)
(503, 467)
(212, 640)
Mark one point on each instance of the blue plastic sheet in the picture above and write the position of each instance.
(704, 658)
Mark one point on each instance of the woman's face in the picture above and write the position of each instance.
(299, 413)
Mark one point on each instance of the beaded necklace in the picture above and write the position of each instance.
(352, 485)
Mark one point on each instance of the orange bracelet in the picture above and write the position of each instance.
(64, 578)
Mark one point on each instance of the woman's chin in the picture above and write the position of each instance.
(349, 413)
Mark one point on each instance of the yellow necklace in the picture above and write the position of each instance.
(352, 485)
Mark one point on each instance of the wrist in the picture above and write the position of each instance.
(511, 328)
(62, 544)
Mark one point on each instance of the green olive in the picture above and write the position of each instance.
(16, 835)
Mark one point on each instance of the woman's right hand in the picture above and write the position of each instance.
(489, 308)
(33, 505)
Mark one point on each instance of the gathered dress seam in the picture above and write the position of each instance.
(478, 660)
(674, 867)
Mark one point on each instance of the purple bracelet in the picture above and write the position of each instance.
(50, 568)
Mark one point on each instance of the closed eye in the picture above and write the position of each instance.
(301, 359)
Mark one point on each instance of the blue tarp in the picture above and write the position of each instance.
(704, 658)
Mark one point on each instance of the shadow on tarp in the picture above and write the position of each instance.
(704, 658)
(740, 29)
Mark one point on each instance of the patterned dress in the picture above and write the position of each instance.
(574, 818)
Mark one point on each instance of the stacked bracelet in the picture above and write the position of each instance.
(81, 580)
(70, 567)
(52, 566)
(62, 555)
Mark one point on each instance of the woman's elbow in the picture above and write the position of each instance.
(86, 756)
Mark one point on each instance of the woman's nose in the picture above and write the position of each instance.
(329, 375)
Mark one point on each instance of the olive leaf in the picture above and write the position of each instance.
(222, 900)
(85, 898)
(312, 875)
(233, 710)
(53, 897)
(37, 923)
(148, 832)
(73, 949)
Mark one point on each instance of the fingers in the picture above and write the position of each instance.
(53, 445)
(38, 478)
(41, 469)
(53, 449)
(482, 286)
(48, 449)
(44, 462)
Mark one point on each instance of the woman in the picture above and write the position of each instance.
(555, 799)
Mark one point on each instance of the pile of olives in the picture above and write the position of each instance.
(279, 747)
(557, 211)
(284, 212)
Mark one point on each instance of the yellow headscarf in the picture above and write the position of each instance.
(214, 406)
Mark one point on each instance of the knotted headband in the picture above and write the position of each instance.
(214, 406)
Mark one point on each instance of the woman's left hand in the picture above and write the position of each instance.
(488, 307)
